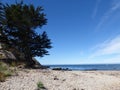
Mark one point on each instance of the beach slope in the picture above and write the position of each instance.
(63, 80)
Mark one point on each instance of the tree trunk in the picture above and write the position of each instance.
(30, 62)
(28, 58)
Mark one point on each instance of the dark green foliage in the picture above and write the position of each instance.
(18, 23)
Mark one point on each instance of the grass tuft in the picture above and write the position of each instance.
(4, 71)
(40, 86)
(2, 77)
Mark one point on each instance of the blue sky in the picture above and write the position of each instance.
(82, 31)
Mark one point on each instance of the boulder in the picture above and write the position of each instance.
(61, 69)
(37, 65)
(4, 54)
(8, 57)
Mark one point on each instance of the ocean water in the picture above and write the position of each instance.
(84, 67)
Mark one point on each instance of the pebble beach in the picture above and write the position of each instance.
(63, 80)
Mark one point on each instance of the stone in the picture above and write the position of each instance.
(4, 54)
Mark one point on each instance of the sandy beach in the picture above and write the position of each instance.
(63, 80)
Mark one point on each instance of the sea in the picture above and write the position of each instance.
(89, 67)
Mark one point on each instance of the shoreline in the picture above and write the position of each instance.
(63, 80)
(86, 67)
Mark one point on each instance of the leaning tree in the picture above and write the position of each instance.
(19, 23)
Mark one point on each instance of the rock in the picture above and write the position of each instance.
(55, 78)
(82, 89)
(37, 65)
(21, 66)
(11, 56)
(57, 68)
(64, 80)
(4, 54)
(61, 69)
